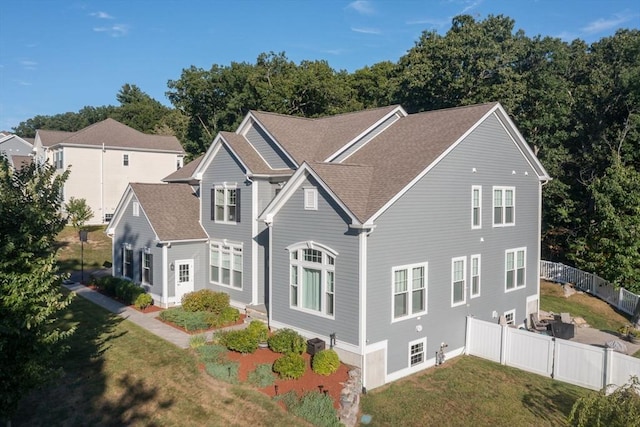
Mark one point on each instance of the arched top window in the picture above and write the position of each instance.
(312, 278)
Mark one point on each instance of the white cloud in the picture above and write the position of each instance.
(28, 65)
(22, 82)
(366, 30)
(362, 6)
(101, 15)
(334, 51)
(602, 24)
(471, 5)
(432, 22)
(118, 30)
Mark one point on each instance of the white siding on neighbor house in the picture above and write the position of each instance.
(101, 178)
(431, 224)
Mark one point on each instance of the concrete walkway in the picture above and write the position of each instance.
(147, 321)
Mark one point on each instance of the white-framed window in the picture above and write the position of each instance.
(515, 269)
(58, 158)
(125, 160)
(310, 199)
(458, 281)
(136, 209)
(504, 206)
(409, 287)
(417, 351)
(225, 262)
(476, 207)
(313, 278)
(510, 317)
(225, 204)
(127, 261)
(108, 217)
(475, 276)
(147, 267)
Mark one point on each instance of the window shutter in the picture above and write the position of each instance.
(213, 204)
(141, 269)
(151, 269)
(237, 205)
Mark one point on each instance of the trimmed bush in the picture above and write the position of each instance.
(259, 329)
(122, 289)
(143, 301)
(242, 341)
(290, 366)
(286, 341)
(325, 362)
(205, 300)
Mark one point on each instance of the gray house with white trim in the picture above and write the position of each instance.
(376, 231)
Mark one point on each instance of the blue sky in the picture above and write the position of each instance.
(61, 55)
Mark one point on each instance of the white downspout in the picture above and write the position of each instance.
(104, 216)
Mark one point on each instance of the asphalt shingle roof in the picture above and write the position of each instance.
(172, 209)
(185, 173)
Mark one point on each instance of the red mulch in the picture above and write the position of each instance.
(310, 381)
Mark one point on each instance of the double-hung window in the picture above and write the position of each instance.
(475, 276)
(225, 261)
(515, 268)
(476, 206)
(225, 204)
(125, 160)
(313, 278)
(458, 281)
(504, 206)
(127, 261)
(417, 351)
(409, 290)
(147, 267)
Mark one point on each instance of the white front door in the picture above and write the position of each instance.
(184, 278)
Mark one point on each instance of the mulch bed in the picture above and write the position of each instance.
(240, 321)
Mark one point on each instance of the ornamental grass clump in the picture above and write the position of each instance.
(287, 341)
(325, 362)
(315, 407)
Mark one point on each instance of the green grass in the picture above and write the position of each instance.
(117, 373)
(471, 391)
(595, 311)
(96, 252)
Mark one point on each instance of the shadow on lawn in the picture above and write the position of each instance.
(542, 401)
(82, 395)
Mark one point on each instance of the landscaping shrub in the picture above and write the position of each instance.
(259, 329)
(187, 320)
(228, 316)
(122, 289)
(226, 371)
(263, 375)
(315, 407)
(242, 341)
(325, 362)
(197, 341)
(287, 340)
(143, 301)
(205, 300)
(290, 366)
(212, 353)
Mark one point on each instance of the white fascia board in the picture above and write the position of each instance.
(522, 144)
(208, 157)
(292, 185)
(112, 147)
(251, 119)
(120, 207)
(397, 110)
(429, 167)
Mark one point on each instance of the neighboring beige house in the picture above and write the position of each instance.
(104, 158)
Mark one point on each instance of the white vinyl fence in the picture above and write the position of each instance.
(580, 364)
(591, 283)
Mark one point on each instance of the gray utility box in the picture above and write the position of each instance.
(314, 345)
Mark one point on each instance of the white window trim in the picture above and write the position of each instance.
(127, 247)
(471, 294)
(226, 187)
(146, 252)
(324, 267)
(464, 278)
(136, 209)
(422, 341)
(493, 210)
(126, 160)
(515, 264)
(473, 189)
(409, 268)
(310, 199)
(232, 246)
(511, 313)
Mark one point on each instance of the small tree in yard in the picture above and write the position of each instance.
(79, 212)
(620, 408)
(31, 342)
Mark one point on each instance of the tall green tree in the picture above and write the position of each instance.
(79, 212)
(31, 342)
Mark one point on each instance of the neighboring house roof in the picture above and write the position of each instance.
(111, 133)
(173, 210)
(185, 173)
(21, 161)
(316, 139)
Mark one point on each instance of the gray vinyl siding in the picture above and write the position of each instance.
(432, 223)
(327, 226)
(266, 192)
(137, 232)
(368, 137)
(15, 147)
(225, 168)
(196, 251)
(267, 148)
